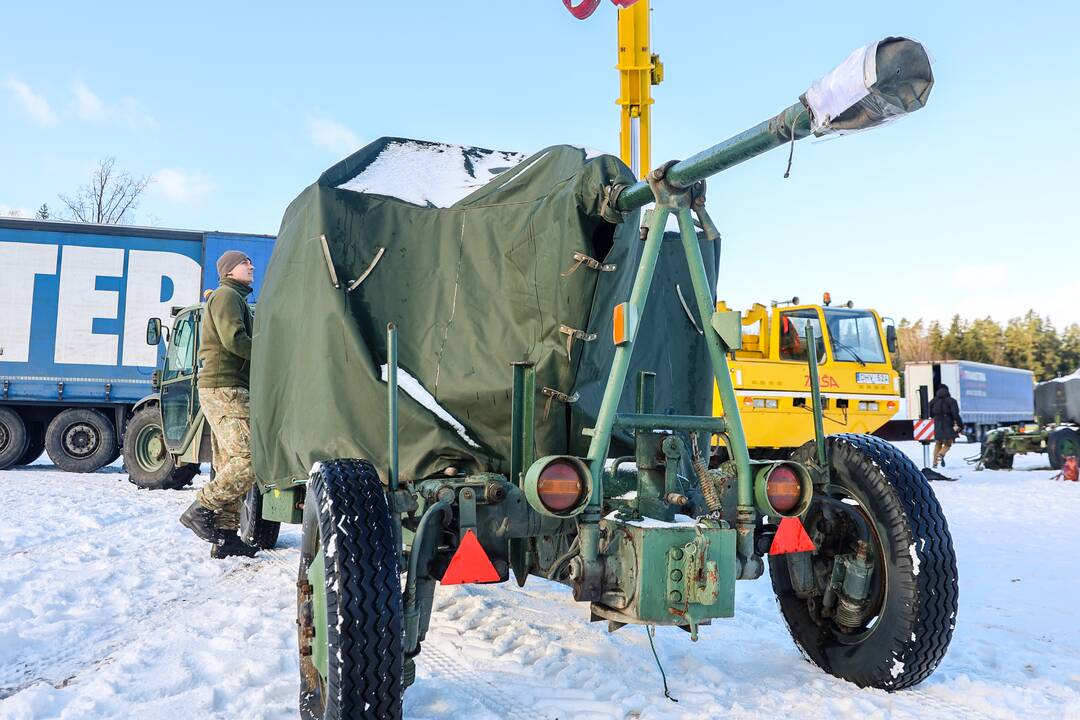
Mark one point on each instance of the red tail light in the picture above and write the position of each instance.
(560, 487)
(783, 489)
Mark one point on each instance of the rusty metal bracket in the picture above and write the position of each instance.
(553, 394)
(573, 334)
(591, 263)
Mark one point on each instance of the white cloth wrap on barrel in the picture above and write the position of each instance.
(848, 84)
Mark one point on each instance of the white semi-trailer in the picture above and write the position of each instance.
(988, 395)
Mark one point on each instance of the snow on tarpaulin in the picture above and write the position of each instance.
(431, 174)
(474, 255)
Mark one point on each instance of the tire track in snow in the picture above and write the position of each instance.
(490, 695)
(65, 665)
(83, 535)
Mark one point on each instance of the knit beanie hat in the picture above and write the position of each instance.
(228, 260)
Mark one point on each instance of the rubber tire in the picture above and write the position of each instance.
(916, 621)
(182, 477)
(994, 457)
(254, 529)
(160, 478)
(15, 437)
(347, 516)
(1054, 441)
(35, 444)
(54, 443)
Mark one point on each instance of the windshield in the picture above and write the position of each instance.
(180, 359)
(793, 335)
(854, 336)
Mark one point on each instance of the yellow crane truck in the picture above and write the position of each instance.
(859, 387)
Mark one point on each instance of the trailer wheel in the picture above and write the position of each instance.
(254, 529)
(1061, 443)
(35, 445)
(349, 612)
(994, 456)
(13, 437)
(80, 440)
(899, 635)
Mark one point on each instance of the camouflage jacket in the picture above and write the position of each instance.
(225, 345)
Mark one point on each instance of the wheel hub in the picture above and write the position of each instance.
(150, 448)
(841, 538)
(80, 440)
(5, 438)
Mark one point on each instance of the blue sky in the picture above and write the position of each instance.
(969, 206)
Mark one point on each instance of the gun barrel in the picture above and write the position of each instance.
(877, 83)
(761, 138)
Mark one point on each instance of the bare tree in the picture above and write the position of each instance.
(109, 198)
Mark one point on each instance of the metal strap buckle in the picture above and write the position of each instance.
(573, 334)
(581, 258)
(553, 394)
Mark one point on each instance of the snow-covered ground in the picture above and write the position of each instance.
(110, 609)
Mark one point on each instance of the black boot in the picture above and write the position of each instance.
(231, 545)
(200, 520)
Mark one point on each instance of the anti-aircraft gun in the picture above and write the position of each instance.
(440, 390)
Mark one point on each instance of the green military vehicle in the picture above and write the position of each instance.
(458, 354)
(1059, 399)
(168, 438)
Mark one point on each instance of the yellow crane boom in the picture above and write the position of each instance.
(639, 69)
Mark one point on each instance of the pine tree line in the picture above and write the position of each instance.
(1029, 342)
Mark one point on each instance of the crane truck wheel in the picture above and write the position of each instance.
(254, 529)
(877, 502)
(80, 440)
(13, 437)
(349, 611)
(1061, 443)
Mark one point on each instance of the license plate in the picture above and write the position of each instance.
(872, 378)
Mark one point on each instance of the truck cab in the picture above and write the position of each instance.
(186, 433)
(167, 437)
(860, 389)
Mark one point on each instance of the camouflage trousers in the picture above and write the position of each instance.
(227, 409)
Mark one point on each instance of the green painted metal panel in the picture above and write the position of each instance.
(316, 575)
(283, 505)
(728, 325)
(670, 573)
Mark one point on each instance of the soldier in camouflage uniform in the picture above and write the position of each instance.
(225, 364)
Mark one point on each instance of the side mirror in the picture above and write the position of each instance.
(890, 337)
(155, 380)
(153, 331)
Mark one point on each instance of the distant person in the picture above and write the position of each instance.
(225, 366)
(947, 422)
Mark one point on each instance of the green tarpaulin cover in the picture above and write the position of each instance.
(481, 258)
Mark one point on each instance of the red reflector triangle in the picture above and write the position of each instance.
(470, 564)
(791, 537)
